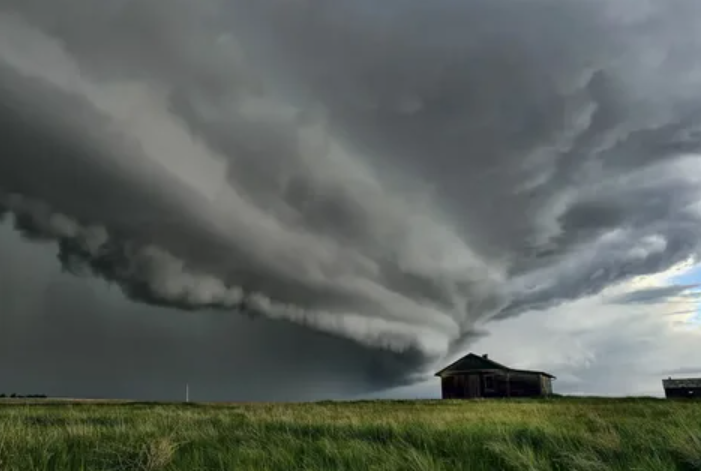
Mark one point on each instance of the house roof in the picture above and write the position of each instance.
(472, 362)
(681, 383)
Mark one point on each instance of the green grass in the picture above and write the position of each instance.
(558, 434)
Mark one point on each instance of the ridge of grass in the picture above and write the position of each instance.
(568, 434)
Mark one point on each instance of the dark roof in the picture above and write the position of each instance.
(681, 383)
(472, 362)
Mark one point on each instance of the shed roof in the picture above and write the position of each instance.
(472, 362)
(681, 383)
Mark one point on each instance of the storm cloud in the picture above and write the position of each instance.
(658, 295)
(396, 175)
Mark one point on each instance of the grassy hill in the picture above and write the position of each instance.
(558, 434)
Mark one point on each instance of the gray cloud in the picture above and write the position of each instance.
(656, 295)
(682, 371)
(66, 336)
(395, 176)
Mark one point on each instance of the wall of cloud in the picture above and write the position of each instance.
(397, 175)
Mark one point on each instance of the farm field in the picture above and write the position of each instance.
(556, 434)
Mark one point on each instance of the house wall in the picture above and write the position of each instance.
(448, 387)
(547, 385)
(525, 385)
(675, 393)
(461, 386)
(498, 384)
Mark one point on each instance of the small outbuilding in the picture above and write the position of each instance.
(475, 376)
(682, 388)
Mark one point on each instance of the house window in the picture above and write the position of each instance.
(489, 383)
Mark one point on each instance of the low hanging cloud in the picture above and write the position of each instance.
(662, 294)
(399, 175)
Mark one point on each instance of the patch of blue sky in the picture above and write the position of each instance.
(691, 277)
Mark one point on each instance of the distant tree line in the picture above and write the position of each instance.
(20, 396)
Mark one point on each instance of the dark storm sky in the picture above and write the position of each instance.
(378, 186)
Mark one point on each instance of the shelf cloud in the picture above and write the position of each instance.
(397, 175)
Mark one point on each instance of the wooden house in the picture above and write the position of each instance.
(474, 376)
(683, 387)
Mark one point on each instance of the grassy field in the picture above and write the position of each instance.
(558, 434)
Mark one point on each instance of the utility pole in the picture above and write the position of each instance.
(187, 392)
